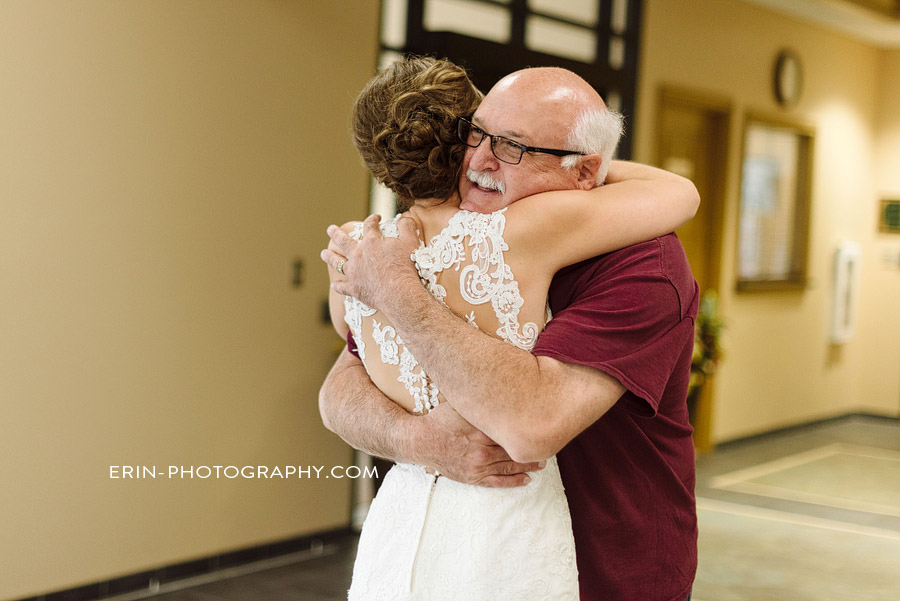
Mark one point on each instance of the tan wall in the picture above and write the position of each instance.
(161, 165)
(889, 124)
(880, 321)
(780, 368)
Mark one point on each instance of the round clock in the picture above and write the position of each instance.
(788, 78)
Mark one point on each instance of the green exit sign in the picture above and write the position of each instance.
(890, 216)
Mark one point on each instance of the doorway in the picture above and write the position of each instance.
(692, 141)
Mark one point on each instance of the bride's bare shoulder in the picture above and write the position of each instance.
(431, 218)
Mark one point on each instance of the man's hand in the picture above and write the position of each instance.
(354, 409)
(371, 269)
(461, 452)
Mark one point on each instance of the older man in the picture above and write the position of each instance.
(604, 388)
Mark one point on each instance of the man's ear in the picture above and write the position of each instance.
(588, 167)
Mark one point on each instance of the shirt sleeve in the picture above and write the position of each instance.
(631, 316)
(351, 344)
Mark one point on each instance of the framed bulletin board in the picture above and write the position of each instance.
(773, 222)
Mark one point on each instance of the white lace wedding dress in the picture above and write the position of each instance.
(427, 537)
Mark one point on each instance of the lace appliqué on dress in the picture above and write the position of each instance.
(413, 378)
(486, 279)
(474, 239)
(354, 309)
(387, 340)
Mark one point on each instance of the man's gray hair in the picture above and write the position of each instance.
(595, 132)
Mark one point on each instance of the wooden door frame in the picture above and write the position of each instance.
(723, 109)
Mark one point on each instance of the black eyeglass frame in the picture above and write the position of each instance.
(466, 124)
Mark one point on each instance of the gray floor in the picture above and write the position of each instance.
(811, 514)
(807, 515)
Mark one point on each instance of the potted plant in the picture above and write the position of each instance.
(707, 347)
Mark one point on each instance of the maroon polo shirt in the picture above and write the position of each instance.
(629, 477)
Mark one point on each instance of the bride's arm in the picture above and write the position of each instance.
(335, 300)
(637, 203)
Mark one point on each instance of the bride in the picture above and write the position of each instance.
(426, 536)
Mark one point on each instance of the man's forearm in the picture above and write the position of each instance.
(497, 387)
(354, 409)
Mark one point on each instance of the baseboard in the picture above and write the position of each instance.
(162, 578)
(808, 425)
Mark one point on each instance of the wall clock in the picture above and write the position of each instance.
(788, 78)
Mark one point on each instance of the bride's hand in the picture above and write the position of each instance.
(373, 268)
(461, 452)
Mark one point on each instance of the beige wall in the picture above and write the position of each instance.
(889, 123)
(880, 320)
(161, 165)
(780, 368)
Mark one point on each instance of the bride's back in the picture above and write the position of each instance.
(464, 261)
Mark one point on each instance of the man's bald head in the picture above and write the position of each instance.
(552, 86)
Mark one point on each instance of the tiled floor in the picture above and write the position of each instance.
(807, 515)
(323, 576)
(811, 514)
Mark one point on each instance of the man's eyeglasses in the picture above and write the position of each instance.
(506, 150)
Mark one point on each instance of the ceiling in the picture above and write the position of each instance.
(874, 21)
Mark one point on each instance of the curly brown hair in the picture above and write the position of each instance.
(404, 126)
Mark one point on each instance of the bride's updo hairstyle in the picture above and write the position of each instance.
(404, 126)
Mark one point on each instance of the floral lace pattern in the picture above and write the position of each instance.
(354, 311)
(387, 340)
(412, 376)
(486, 279)
(472, 238)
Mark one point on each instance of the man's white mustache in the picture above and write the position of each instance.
(485, 181)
